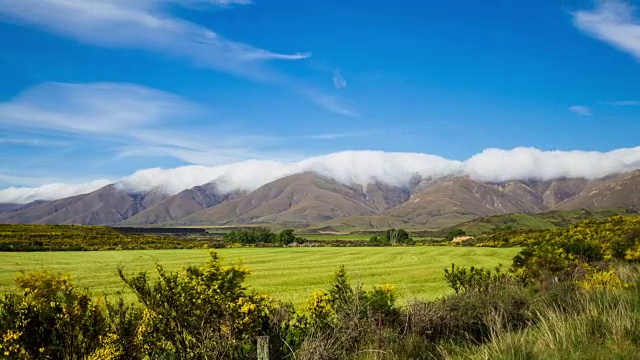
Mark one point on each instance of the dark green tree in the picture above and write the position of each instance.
(286, 237)
(454, 234)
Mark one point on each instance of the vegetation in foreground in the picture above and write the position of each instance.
(575, 295)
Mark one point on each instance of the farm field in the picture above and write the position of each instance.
(353, 237)
(288, 274)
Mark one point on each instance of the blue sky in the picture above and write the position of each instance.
(99, 89)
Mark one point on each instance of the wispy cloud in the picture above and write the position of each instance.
(132, 121)
(339, 81)
(148, 25)
(140, 24)
(581, 110)
(213, 2)
(613, 22)
(331, 103)
(29, 142)
(624, 103)
(96, 107)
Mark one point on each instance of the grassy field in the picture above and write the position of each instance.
(353, 237)
(289, 274)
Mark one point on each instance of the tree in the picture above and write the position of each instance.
(286, 237)
(454, 234)
(392, 236)
(397, 236)
(252, 235)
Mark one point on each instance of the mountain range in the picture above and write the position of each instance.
(309, 200)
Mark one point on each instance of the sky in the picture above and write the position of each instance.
(93, 91)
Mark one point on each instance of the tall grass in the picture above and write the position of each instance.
(595, 325)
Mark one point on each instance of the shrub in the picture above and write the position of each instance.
(470, 315)
(477, 279)
(340, 321)
(49, 320)
(204, 313)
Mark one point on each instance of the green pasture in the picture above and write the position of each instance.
(289, 274)
(352, 237)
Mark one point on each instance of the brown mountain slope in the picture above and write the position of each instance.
(17, 207)
(309, 199)
(10, 207)
(622, 191)
(453, 200)
(563, 189)
(298, 199)
(181, 205)
(544, 194)
(108, 205)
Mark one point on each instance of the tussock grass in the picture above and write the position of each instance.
(598, 325)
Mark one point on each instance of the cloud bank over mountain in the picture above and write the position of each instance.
(360, 167)
(24, 195)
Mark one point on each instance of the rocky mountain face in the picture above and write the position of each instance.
(105, 206)
(181, 205)
(310, 199)
(301, 199)
(622, 191)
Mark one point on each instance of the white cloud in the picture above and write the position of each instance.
(339, 81)
(363, 167)
(139, 24)
(29, 142)
(581, 110)
(612, 22)
(328, 102)
(625, 103)
(95, 108)
(133, 120)
(496, 165)
(213, 2)
(148, 25)
(23, 195)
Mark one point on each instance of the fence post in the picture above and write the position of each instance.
(263, 347)
(379, 344)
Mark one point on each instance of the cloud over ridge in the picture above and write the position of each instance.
(24, 195)
(361, 167)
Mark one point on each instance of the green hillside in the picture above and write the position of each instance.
(539, 221)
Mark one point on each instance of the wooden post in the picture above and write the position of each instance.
(379, 344)
(263, 347)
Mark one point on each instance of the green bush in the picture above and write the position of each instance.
(392, 236)
(202, 314)
(49, 320)
(476, 279)
(470, 315)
